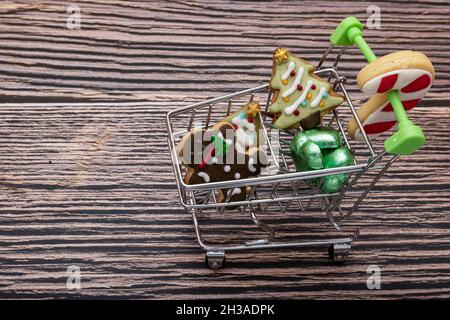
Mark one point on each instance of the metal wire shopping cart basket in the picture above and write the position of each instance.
(281, 187)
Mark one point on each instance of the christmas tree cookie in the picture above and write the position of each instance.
(299, 96)
(247, 124)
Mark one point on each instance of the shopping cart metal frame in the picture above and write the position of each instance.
(265, 190)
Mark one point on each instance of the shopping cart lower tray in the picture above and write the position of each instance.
(279, 187)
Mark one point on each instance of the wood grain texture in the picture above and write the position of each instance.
(90, 184)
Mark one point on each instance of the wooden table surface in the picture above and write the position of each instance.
(86, 178)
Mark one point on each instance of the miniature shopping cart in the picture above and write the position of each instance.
(280, 187)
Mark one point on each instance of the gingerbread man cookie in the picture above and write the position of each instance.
(213, 155)
(411, 73)
(299, 96)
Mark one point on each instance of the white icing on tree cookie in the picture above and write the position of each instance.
(296, 82)
(299, 94)
(288, 71)
(245, 133)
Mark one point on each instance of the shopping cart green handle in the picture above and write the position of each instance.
(409, 137)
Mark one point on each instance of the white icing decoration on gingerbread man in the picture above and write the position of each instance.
(251, 166)
(204, 176)
(233, 192)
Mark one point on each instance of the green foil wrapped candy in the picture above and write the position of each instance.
(312, 155)
(320, 148)
(307, 145)
(301, 164)
(332, 184)
(325, 138)
(340, 157)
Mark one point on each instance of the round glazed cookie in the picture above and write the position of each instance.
(409, 72)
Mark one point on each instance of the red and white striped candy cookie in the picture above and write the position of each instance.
(409, 72)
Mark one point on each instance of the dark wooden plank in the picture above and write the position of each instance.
(79, 187)
(91, 184)
(155, 50)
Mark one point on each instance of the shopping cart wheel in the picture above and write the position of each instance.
(338, 252)
(215, 259)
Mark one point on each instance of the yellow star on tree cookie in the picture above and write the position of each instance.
(281, 55)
